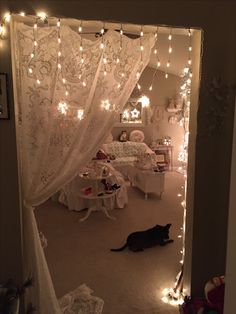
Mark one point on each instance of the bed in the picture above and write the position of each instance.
(126, 154)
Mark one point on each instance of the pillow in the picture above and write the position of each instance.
(108, 139)
(136, 136)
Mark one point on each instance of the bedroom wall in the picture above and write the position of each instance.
(213, 150)
(163, 89)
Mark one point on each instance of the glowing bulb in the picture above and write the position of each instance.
(82, 60)
(117, 60)
(141, 33)
(59, 40)
(58, 23)
(165, 299)
(66, 93)
(32, 55)
(190, 48)
(102, 31)
(80, 29)
(170, 37)
(189, 81)
(189, 61)
(150, 88)
(118, 86)
(102, 46)
(138, 75)
(30, 70)
(84, 83)
(59, 53)
(139, 87)
(121, 32)
(186, 70)
(180, 236)
(59, 66)
(179, 195)
(158, 63)
(22, 13)
(105, 104)
(168, 64)
(35, 43)
(122, 74)
(7, 17)
(63, 80)
(2, 30)
(35, 26)
(105, 73)
(38, 82)
(104, 60)
(145, 101)
(141, 47)
(166, 75)
(170, 49)
(80, 114)
(42, 15)
(62, 107)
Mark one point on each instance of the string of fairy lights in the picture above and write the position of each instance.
(176, 294)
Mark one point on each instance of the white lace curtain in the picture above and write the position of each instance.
(54, 146)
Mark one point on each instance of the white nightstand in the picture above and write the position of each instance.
(147, 181)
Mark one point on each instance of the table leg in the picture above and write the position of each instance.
(104, 209)
(89, 211)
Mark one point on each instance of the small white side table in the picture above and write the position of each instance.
(96, 200)
(147, 181)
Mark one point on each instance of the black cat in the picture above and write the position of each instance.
(138, 241)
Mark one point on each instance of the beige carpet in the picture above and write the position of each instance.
(129, 283)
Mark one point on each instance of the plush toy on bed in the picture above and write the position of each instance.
(136, 136)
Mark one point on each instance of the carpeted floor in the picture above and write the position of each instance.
(129, 283)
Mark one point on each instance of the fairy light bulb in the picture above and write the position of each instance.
(119, 85)
(168, 64)
(63, 80)
(59, 53)
(82, 60)
(170, 50)
(104, 60)
(32, 55)
(58, 23)
(158, 63)
(117, 60)
(22, 13)
(38, 81)
(80, 114)
(141, 47)
(80, 28)
(62, 107)
(42, 15)
(150, 88)
(166, 75)
(81, 47)
(145, 101)
(35, 43)
(7, 17)
(84, 83)
(30, 70)
(139, 86)
(66, 93)
(59, 66)
(141, 33)
(35, 26)
(102, 31)
(105, 73)
(102, 45)
(59, 40)
(170, 37)
(155, 51)
(190, 48)
(121, 32)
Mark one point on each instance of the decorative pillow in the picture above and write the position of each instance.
(101, 155)
(136, 136)
(109, 139)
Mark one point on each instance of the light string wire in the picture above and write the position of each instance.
(158, 63)
(169, 54)
(120, 49)
(81, 50)
(32, 70)
(176, 295)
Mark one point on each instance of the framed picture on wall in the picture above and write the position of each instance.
(4, 106)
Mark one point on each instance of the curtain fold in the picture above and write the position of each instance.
(55, 144)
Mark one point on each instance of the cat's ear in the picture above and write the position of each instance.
(168, 226)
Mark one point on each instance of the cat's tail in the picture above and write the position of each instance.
(120, 249)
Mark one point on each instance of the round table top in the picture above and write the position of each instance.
(103, 196)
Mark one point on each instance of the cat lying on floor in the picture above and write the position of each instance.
(138, 241)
